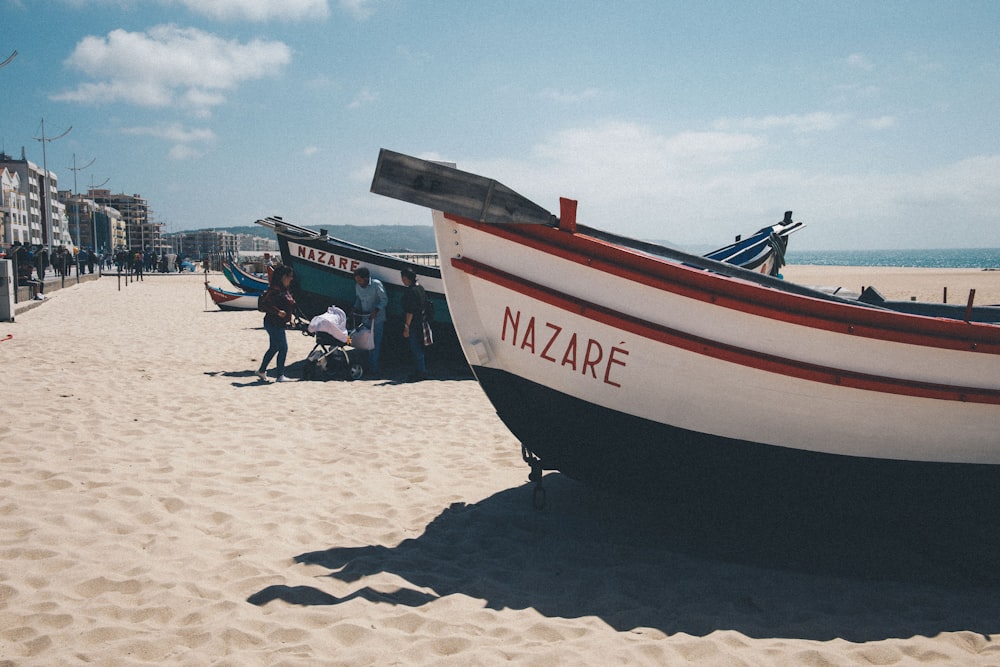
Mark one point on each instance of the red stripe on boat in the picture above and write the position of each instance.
(732, 293)
(724, 351)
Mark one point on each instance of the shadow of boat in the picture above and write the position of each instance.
(786, 570)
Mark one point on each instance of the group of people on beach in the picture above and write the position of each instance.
(31, 264)
(36, 259)
(370, 306)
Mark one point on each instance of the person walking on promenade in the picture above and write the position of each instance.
(41, 263)
(137, 262)
(413, 321)
(370, 302)
(277, 303)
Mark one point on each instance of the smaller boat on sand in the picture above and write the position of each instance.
(763, 251)
(226, 300)
(242, 279)
(324, 271)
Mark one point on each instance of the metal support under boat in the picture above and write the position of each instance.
(538, 495)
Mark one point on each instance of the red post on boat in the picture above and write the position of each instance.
(567, 215)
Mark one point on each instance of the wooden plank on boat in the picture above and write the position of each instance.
(450, 190)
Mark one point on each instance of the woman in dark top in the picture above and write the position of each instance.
(277, 303)
(413, 322)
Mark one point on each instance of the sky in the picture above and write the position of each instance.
(877, 123)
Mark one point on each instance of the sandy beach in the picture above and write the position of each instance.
(903, 283)
(159, 505)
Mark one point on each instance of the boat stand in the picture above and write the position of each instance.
(538, 495)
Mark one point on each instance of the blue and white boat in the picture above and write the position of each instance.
(242, 279)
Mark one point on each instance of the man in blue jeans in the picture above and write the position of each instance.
(370, 302)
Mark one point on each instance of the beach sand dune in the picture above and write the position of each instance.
(158, 505)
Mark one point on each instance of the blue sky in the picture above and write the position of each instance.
(878, 123)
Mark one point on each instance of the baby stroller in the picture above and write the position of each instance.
(329, 354)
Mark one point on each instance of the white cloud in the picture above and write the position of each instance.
(820, 121)
(184, 139)
(309, 151)
(633, 143)
(363, 98)
(696, 188)
(922, 62)
(359, 9)
(170, 65)
(620, 171)
(232, 10)
(880, 123)
(181, 152)
(173, 132)
(568, 97)
(859, 61)
(259, 10)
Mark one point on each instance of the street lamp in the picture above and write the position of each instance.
(76, 202)
(47, 209)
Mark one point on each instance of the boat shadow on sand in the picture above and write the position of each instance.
(786, 570)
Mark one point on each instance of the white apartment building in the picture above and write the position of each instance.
(13, 209)
(47, 222)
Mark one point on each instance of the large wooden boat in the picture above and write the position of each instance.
(648, 368)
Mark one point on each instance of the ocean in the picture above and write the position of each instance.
(951, 258)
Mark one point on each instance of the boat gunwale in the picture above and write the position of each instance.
(760, 298)
(384, 259)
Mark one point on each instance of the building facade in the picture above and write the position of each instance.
(13, 209)
(211, 243)
(46, 217)
(92, 225)
(141, 231)
(250, 244)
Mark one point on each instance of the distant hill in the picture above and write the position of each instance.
(393, 238)
(387, 238)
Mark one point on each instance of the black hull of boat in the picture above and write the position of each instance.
(635, 456)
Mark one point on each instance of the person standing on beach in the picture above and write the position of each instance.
(41, 263)
(413, 322)
(370, 301)
(277, 303)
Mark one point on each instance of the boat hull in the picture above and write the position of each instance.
(226, 300)
(623, 453)
(324, 273)
(828, 378)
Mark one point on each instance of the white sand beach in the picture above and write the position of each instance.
(903, 283)
(159, 506)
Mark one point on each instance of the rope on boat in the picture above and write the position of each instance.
(779, 245)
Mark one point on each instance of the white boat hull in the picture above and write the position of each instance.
(664, 381)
